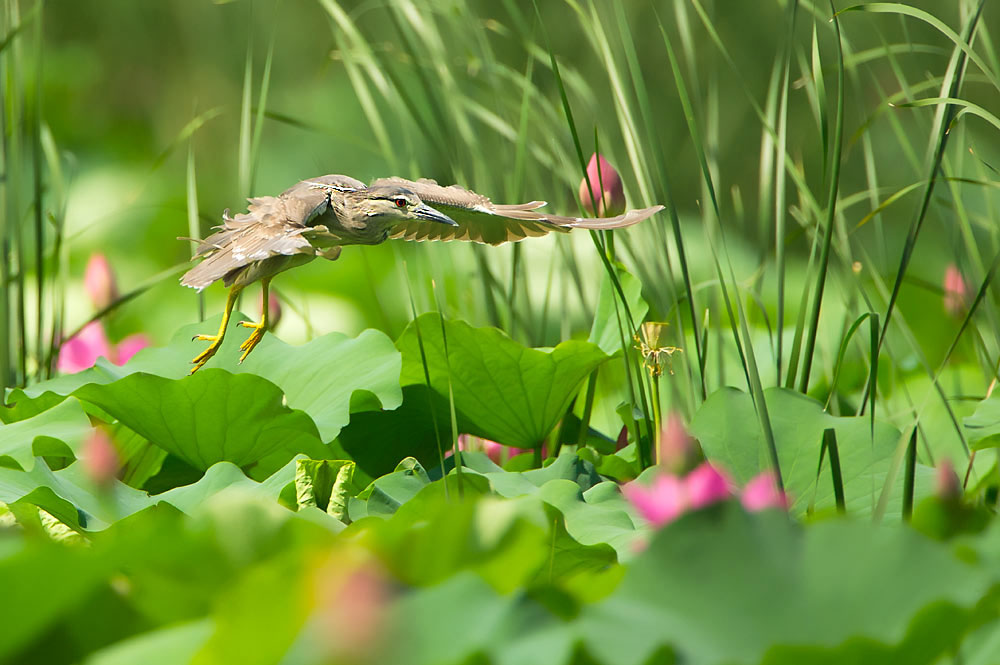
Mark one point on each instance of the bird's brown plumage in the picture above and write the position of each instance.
(481, 220)
(314, 215)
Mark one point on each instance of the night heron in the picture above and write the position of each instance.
(317, 217)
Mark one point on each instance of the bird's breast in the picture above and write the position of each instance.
(361, 230)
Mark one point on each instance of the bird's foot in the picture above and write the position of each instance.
(254, 339)
(203, 357)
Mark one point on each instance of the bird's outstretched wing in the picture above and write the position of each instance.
(272, 226)
(481, 220)
(265, 231)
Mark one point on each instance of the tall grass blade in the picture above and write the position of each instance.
(194, 220)
(34, 122)
(258, 125)
(675, 225)
(831, 211)
(842, 353)
(243, 157)
(457, 451)
(628, 356)
(830, 446)
(427, 373)
(909, 471)
(737, 318)
(780, 206)
(60, 258)
(952, 83)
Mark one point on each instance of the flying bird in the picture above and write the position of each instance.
(317, 217)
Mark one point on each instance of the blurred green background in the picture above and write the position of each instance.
(152, 107)
(122, 80)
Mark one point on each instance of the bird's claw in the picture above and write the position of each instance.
(254, 339)
(206, 355)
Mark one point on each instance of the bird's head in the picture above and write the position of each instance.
(393, 203)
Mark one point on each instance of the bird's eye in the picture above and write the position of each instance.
(400, 202)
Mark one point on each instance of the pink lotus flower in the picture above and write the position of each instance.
(706, 485)
(660, 503)
(83, 350)
(610, 198)
(956, 291)
(671, 496)
(99, 281)
(762, 493)
(99, 458)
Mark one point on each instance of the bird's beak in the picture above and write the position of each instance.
(424, 211)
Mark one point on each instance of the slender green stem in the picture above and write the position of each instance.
(588, 407)
(831, 211)
(427, 374)
(830, 445)
(908, 475)
(457, 451)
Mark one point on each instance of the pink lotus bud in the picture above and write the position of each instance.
(946, 483)
(675, 443)
(610, 199)
(273, 308)
(955, 291)
(762, 493)
(706, 485)
(130, 346)
(662, 502)
(99, 458)
(99, 281)
(83, 350)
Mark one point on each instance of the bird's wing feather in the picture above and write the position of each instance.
(480, 220)
(268, 229)
(272, 226)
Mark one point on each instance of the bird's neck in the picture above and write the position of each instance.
(353, 225)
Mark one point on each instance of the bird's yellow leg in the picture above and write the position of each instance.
(258, 328)
(216, 340)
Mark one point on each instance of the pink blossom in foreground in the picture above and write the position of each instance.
(99, 458)
(670, 495)
(99, 281)
(956, 291)
(610, 200)
(660, 503)
(762, 493)
(705, 486)
(350, 610)
(83, 350)
(130, 346)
